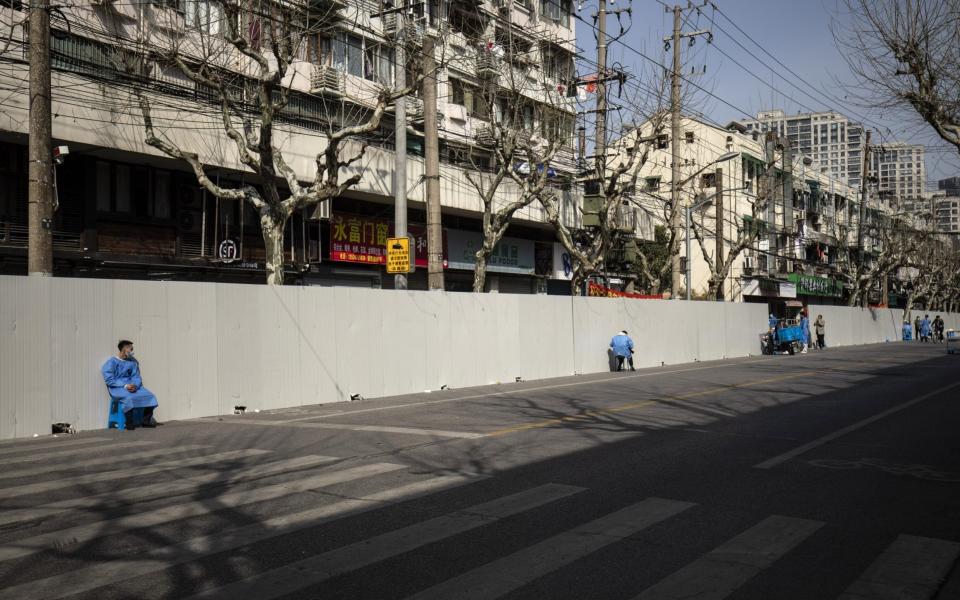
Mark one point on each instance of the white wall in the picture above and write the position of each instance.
(206, 347)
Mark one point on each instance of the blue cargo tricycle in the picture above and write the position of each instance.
(786, 337)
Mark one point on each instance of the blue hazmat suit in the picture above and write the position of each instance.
(118, 373)
(925, 328)
(622, 345)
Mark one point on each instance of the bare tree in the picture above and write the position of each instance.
(521, 162)
(270, 37)
(906, 54)
(749, 231)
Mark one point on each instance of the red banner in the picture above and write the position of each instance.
(595, 289)
(358, 239)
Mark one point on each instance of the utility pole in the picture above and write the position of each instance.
(718, 253)
(400, 158)
(770, 192)
(601, 132)
(675, 154)
(864, 192)
(40, 191)
(675, 115)
(431, 149)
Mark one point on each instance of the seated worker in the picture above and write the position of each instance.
(122, 375)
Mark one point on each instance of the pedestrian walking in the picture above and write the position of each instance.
(623, 347)
(916, 328)
(820, 328)
(907, 330)
(925, 328)
(938, 326)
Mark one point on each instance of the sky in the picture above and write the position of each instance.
(795, 32)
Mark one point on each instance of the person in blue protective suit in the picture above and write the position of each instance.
(926, 329)
(805, 331)
(122, 375)
(623, 347)
(772, 322)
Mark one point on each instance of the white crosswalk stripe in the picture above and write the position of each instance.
(70, 452)
(511, 572)
(113, 459)
(721, 571)
(162, 490)
(22, 446)
(123, 473)
(65, 538)
(121, 569)
(910, 568)
(317, 569)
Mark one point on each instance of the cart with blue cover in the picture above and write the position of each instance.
(786, 337)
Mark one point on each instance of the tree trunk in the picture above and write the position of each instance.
(273, 246)
(480, 269)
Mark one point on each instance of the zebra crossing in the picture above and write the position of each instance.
(100, 505)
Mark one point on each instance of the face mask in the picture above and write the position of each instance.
(130, 354)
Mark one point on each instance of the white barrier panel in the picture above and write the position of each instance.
(205, 348)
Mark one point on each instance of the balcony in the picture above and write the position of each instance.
(488, 65)
(486, 136)
(412, 31)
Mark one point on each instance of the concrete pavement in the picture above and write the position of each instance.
(822, 476)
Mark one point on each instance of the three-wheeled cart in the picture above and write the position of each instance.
(787, 337)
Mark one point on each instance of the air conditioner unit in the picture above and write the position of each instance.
(326, 79)
(189, 221)
(485, 136)
(749, 262)
(322, 210)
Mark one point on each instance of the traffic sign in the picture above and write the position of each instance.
(398, 255)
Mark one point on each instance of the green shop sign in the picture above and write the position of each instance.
(816, 286)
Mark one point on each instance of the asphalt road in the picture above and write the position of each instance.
(833, 475)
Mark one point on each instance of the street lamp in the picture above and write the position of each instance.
(703, 202)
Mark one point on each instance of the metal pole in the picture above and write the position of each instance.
(40, 209)
(718, 254)
(400, 153)
(675, 153)
(864, 192)
(431, 149)
(686, 214)
(601, 132)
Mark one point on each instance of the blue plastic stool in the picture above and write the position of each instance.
(118, 420)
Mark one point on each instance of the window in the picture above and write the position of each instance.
(121, 179)
(161, 195)
(653, 184)
(346, 51)
(205, 15)
(555, 125)
(557, 11)
(468, 95)
(378, 63)
(557, 63)
(688, 137)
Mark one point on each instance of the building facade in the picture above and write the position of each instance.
(830, 139)
(900, 171)
(125, 210)
(811, 217)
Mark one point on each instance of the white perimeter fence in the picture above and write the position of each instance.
(205, 347)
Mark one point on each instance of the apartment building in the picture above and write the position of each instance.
(830, 139)
(125, 210)
(809, 220)
(900, 171)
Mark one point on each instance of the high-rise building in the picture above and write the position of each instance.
(950, 185)
(900, 170)
(830, 139)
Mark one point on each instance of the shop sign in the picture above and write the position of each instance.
(357, 239)
(788, 290)
(511, 255)
(562, 263)
(811, 285)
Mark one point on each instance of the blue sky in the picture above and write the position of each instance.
(796, 32)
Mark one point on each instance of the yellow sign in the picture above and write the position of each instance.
(398, 255)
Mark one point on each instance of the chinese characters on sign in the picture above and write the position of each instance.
(358, 239)
(398, 255)
(816, 286)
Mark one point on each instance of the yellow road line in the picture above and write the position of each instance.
(634, 405)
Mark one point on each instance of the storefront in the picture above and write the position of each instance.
(813, 289)
(779, 296)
